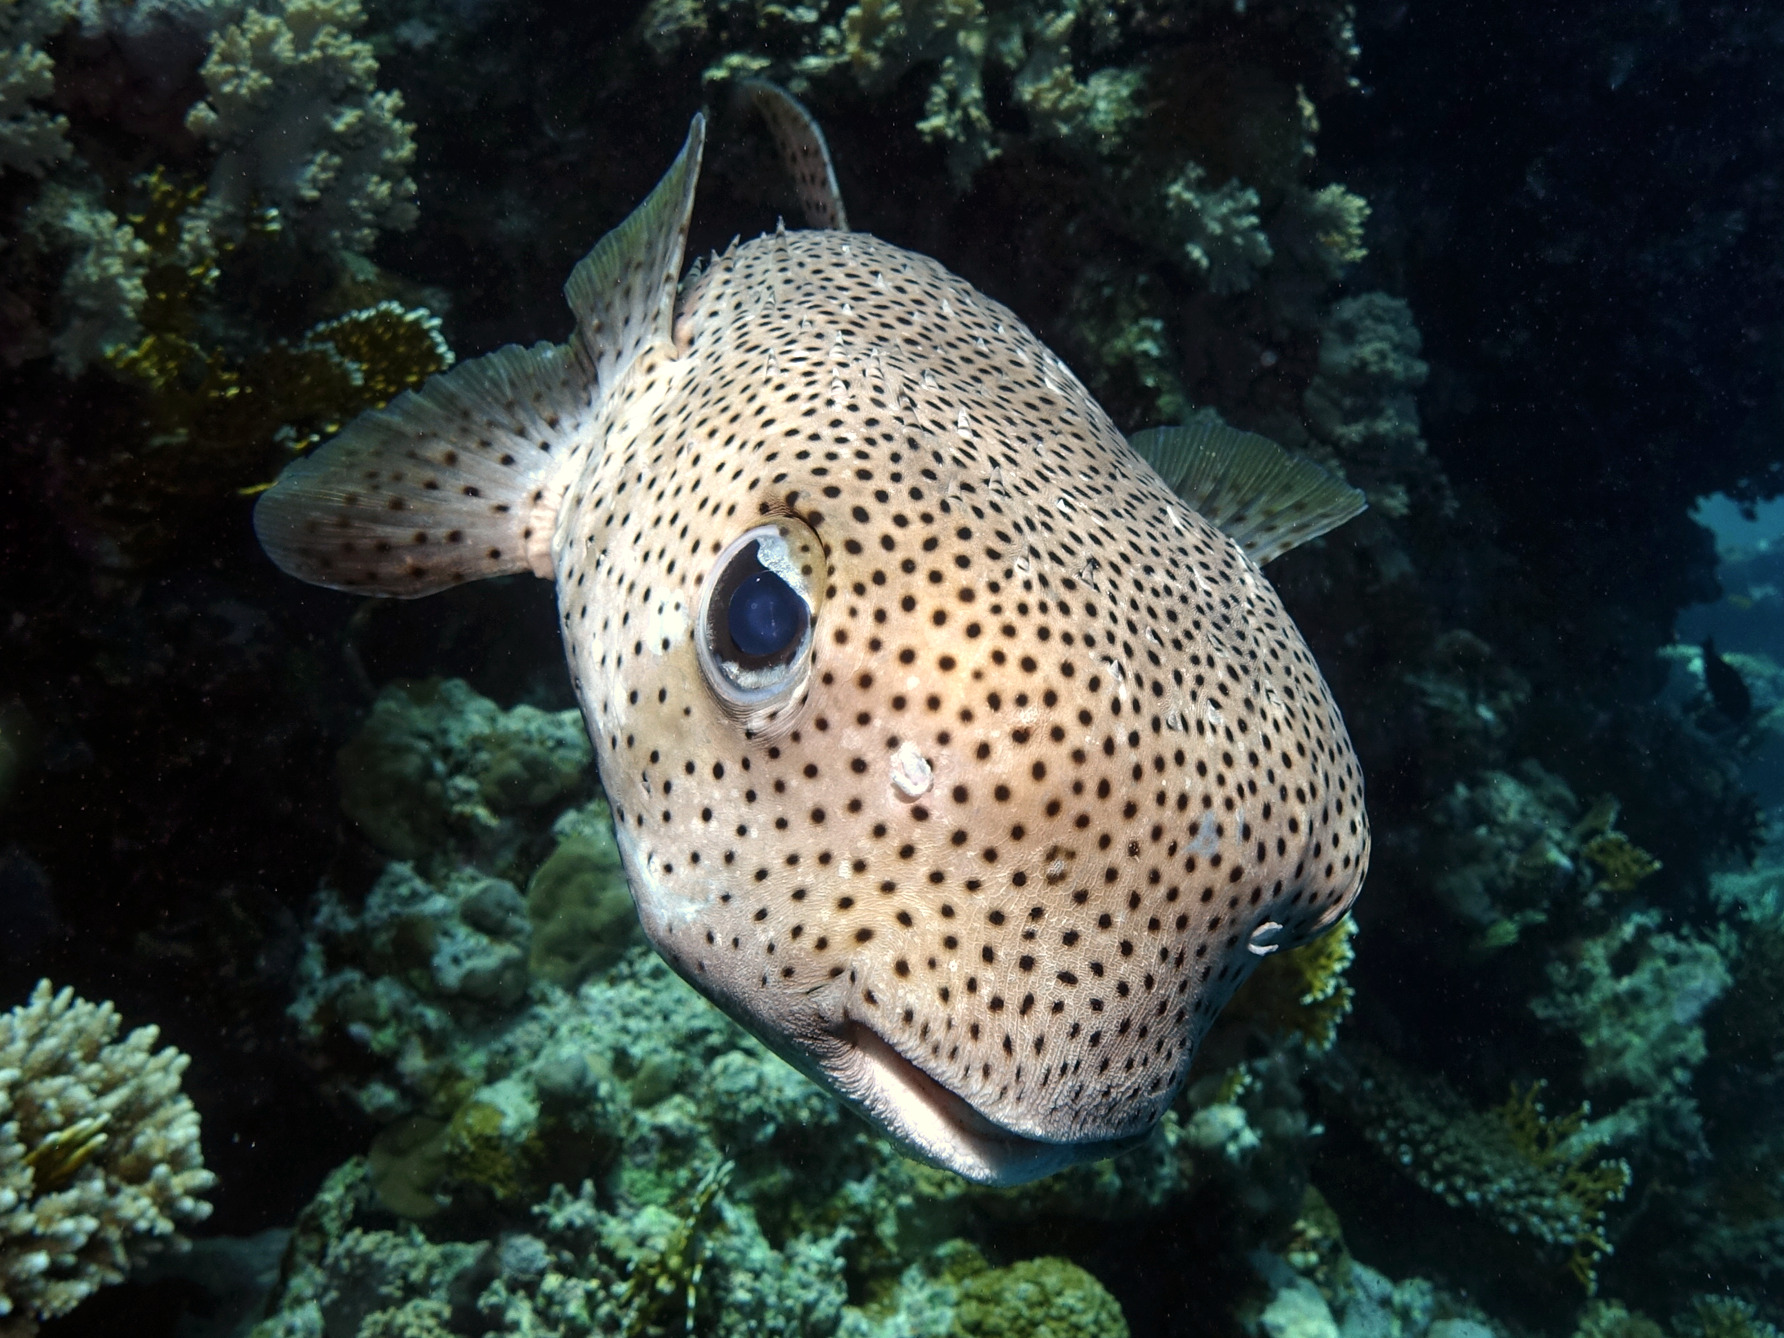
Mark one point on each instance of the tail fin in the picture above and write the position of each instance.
(462, 479)
(802, 148)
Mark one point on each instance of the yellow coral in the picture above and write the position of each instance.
(214, 418)
(1337, 216)
(1326, 998)
(659, 1279)
(301, 391)
(1560, 1148)
(480, 1149)
(1538, 1178)
(1623, 862)
(1315, 1247)
(1302, 992)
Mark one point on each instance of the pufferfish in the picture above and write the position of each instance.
(956, 745)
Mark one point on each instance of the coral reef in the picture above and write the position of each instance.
(1636, 998)
(1219, 207)
(1537, 1177)
(200, 156)
(207, 268)
(301, 132)
(438, 771)
(99, 1155)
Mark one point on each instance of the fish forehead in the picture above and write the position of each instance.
(1132, 761)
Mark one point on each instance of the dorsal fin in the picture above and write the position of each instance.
(803, 150)
(1263, 498)
(462, 478)
(623, 291)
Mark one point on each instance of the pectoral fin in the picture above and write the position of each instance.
(1265, 499)
(462, 478)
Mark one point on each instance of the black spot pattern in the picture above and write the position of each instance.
(1060, 751)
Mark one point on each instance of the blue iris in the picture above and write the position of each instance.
(766, 617)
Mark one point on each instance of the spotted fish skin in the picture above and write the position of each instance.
(1134, 760)
(1052, 768)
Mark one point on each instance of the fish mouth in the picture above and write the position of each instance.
(936, 1123)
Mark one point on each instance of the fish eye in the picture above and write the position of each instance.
(764, 616)
(754, 631)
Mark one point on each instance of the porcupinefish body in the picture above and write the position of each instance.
(951, 748)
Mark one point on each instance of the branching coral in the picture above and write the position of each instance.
(1218, 234)
(99, 1154)
(103, 288)
(1534, 1175)
(1563, 1148)
(302, 129)
(1636, 997)
(32, 138)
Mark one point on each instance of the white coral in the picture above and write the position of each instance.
(301, 128)
(32, 139)
(1218, 232)
(103, 288)
(99, 1154)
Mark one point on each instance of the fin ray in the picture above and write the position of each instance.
(1259, 495)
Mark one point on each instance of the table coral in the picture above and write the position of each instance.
(99, 1154)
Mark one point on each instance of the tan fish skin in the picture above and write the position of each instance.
(1057, 768)
(1134, 762)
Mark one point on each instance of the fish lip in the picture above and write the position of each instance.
(935, 1123)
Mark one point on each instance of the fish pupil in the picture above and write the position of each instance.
(765, 615)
